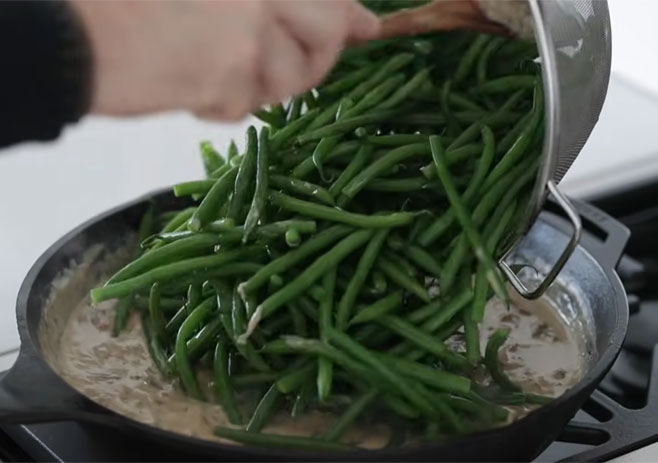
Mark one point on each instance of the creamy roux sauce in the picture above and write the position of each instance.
(541, 354)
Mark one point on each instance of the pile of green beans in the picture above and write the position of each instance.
(353, 235)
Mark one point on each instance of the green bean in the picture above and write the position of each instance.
(167, 238)
(505, 84)
(252, 379)
(238, 313)
(371, 360)
(156, 350)
(402, 279)
(244, 178)
(453, 156)
(295, 109)
(264, 410)
(167, 304)
(298, 320)
(481, 284)
(327, 144)
(295, 377)
(179, 219)
(508, 188)
(492, 363)
(392, 65)
(257, 210)
(317, 292)
(423, 340)
(312, 273)
(295, 344)
(366, 262)
(212, 160)
(385, 162)
(122, 313)
(345, 125)
(221, 170)
(394, 219)
(483, 61)
(310, 100)
(458, 99)
(379, 308)
(175, 322)
(454, 305)
(268, 117)
(469, 58)
(293, 238)
(290, 130)
(279, 441)
(433, 377)
(400, 185)
(184, 248)
(401, 139)
(283, 263)
(209, 207)
(301, 187)
(522, 143)
(472, 336)
(464, 218)
(343, 84)
(157, 318)
(191, 323)
(379, 282)
(450, 118)
(232, 151)
(223, 386)
(203, 341)
(356, 164)
(513, 134)
(483, 165)
(351, 414)
(423, 259)
(302, 399)
(268, 232)
(169, 272)
(306, 167)
(325, 366)
(377, 96)
(400, 407)
(407, 89)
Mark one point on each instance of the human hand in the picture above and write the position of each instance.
(217, 59)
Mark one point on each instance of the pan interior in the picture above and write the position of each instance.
(124, 379)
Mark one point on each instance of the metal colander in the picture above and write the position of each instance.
(574, 42)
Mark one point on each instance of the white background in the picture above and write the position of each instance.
(45, 190)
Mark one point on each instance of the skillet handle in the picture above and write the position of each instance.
(608, 241)
(30, 392)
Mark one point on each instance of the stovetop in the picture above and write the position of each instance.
(621, 415)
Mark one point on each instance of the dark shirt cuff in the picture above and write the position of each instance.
(46, 72)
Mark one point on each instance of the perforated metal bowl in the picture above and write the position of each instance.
(574, 42)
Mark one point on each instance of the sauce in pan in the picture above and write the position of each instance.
(541, 354)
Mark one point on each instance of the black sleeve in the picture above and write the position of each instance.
(45, 70)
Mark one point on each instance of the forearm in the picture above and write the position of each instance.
(45, 81)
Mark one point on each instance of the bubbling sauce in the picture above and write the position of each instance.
(541, 354)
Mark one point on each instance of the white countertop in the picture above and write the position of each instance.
(47, 189)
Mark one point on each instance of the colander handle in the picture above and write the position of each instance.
(574, 217)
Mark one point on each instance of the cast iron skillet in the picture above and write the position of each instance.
(32, 392)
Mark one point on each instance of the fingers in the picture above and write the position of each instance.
(283, 67)
(363, 24)
(323, 27)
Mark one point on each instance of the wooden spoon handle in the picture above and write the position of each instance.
(439, 15)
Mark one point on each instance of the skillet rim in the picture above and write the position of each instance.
(31, 349)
